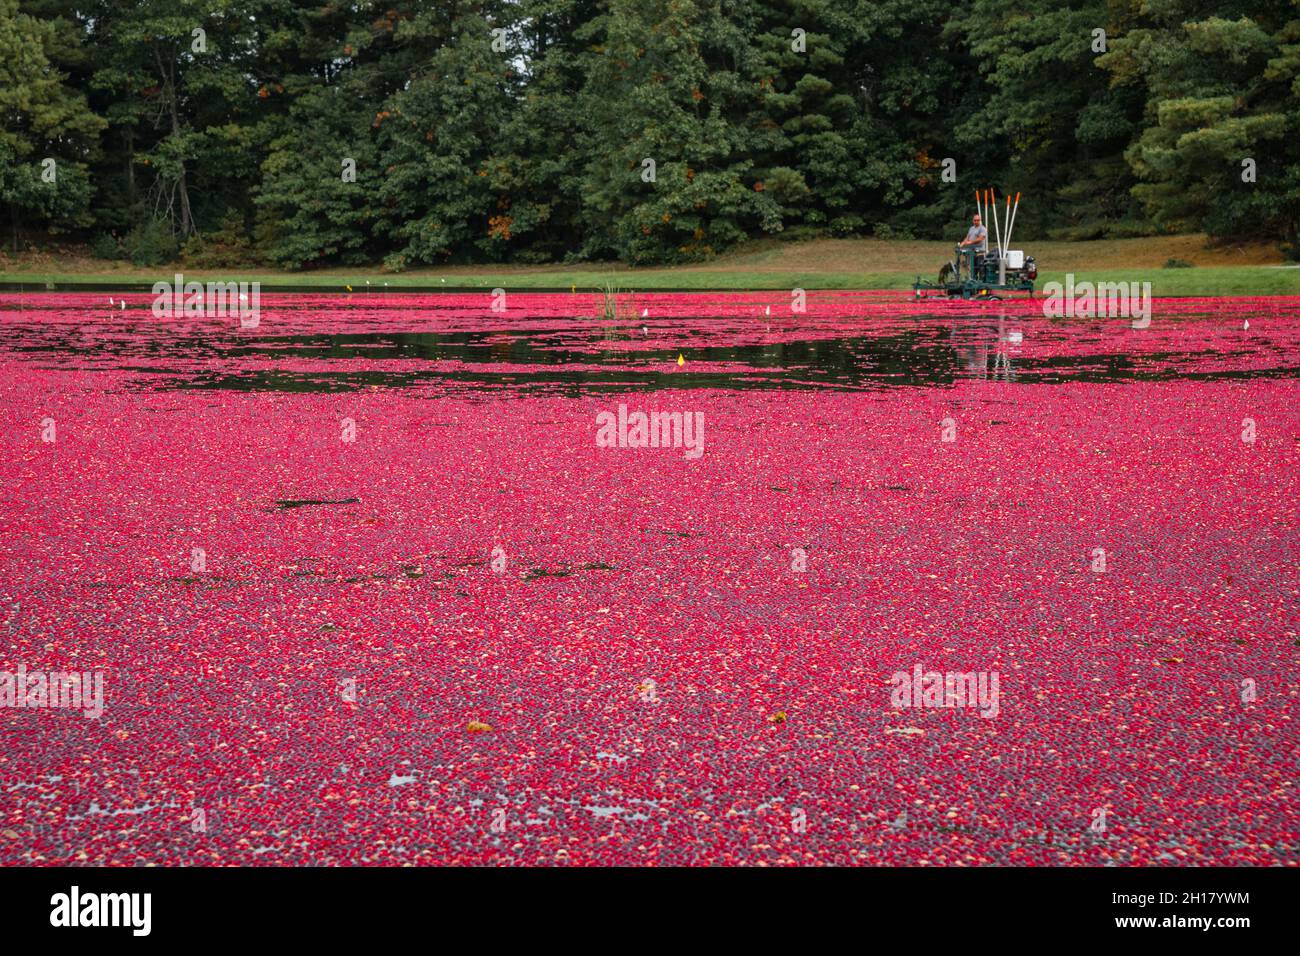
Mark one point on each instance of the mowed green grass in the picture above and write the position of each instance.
(1234, 281)
(1242, 270)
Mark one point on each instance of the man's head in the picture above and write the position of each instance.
(976, 220)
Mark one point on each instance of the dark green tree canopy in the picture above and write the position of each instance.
(304, 133)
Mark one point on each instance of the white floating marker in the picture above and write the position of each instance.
(768, 311)
(644, 313)
(1245, 327)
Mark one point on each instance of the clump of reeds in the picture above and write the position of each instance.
(611, 309)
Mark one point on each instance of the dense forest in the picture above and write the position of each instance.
(299, 133)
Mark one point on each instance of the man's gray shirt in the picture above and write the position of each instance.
(980, 233)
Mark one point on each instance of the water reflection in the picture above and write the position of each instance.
(573, 356)
(986, 346)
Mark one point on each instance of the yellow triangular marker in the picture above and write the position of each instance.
(680, 360)
(348, 287)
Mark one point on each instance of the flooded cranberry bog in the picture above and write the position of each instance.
(390, 579)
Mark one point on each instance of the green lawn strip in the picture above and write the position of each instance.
(1223, 280)
(1202, 281)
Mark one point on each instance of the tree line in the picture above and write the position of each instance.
(346, 132)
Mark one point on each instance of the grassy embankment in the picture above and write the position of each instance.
(818, 264)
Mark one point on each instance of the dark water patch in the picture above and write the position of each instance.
(565, 570)
(1059, 370)
(284, 504)
(572, 357)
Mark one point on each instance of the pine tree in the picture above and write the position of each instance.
(440, 186)
(537, 170)
(1050, 124)
(668, 176)
(318, 197)
(1219, 149)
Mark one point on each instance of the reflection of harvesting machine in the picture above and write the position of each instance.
(985, 275)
